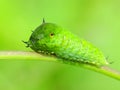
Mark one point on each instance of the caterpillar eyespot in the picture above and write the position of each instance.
(52, 34)
(65, 45)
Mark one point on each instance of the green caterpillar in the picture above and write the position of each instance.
(52, 39)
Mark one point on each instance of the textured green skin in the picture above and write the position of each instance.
(64, 45)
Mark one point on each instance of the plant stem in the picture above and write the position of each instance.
(34, 56)
(23, 55)
(106, 70)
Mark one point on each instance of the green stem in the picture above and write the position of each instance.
(106, 70)
(24, 55)
(34, 56)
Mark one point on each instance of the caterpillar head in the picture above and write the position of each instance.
(45, 38)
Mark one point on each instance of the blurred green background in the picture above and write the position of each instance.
(98, 21)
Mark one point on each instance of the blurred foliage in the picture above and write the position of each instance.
(95, 20)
